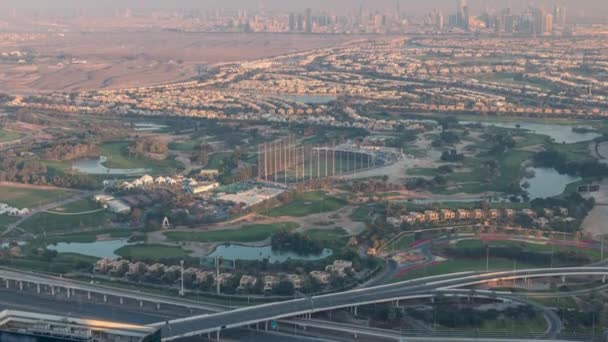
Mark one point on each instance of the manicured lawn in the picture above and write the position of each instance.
(151, 251)
(462, 265)
(66, 219)
(184, 146)
(63, 263)
(8, 135)
(248, 233)
(25, 197)
(529, 246)
(402, 243)
(314, 202)
(50, 223)
(5, 220)
(83, 237)
(81, 206)
(119, 158)
(532, 325)
(215, 161)
(327, 235)
(361, 214)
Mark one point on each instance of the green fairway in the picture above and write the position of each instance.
(68, 219)
(327, 235)
(462, 265)
(314, 202)
(184, 146)
(30, 197)
(361, 214)
(5, 220)
(8, 135)
(119, 158)
(151, 252)
(63, 263)
(402, 243)
(534, 247)
(216, 160)
(248, 233)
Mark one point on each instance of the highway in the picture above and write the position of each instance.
(419, 288)
(17, 276)
(359, 332)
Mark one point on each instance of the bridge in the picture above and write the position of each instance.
(305, 307)
(450, 285)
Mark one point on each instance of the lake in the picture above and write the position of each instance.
(559, 133)
(240, 252)
(99, 249)
(308, 99)
(95, 167)
(547, 182)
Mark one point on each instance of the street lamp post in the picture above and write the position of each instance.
(181, 292)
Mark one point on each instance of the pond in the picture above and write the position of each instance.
(95, 167)
(547, 182)
(309, 99)
(240, 252)
(98, 249)
(559, 133)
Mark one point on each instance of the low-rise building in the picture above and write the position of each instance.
(295, 280)
(448, 215)
(270, 282)
(223, 278)
(463, 214)
(431, 215)
(320, 276)
(528, 212)
(493, 214)
(247, 281)
(339, 267)
(478, 214)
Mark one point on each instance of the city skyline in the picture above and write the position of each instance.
(407, 6)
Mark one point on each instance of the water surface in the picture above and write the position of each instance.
(240, 252)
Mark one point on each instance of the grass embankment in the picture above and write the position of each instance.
(361, 214)
(30, 197)
(119, 158)
(534, 247)
(248, 233)
(463, 265)
(151, 252)
(8, 135)
(314, 202)
(63, 263)
(79, 215)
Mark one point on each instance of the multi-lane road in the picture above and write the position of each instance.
(217, 318)
(419, 288)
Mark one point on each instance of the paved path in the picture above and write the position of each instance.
(44, 208)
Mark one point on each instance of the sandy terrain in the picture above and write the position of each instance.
(595, 222)
(127, 59)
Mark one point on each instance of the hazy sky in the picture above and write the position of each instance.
(413, 6)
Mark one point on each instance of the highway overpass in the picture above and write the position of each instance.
(419, 288)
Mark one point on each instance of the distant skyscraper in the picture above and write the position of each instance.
(509, 23)
(292, 22)
(548, 23)
(467, 18)
(300, 23)
(460, 15)
(398, 11)
(439, 21)
(308, 20)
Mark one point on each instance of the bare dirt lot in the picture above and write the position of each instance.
(106, 60)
